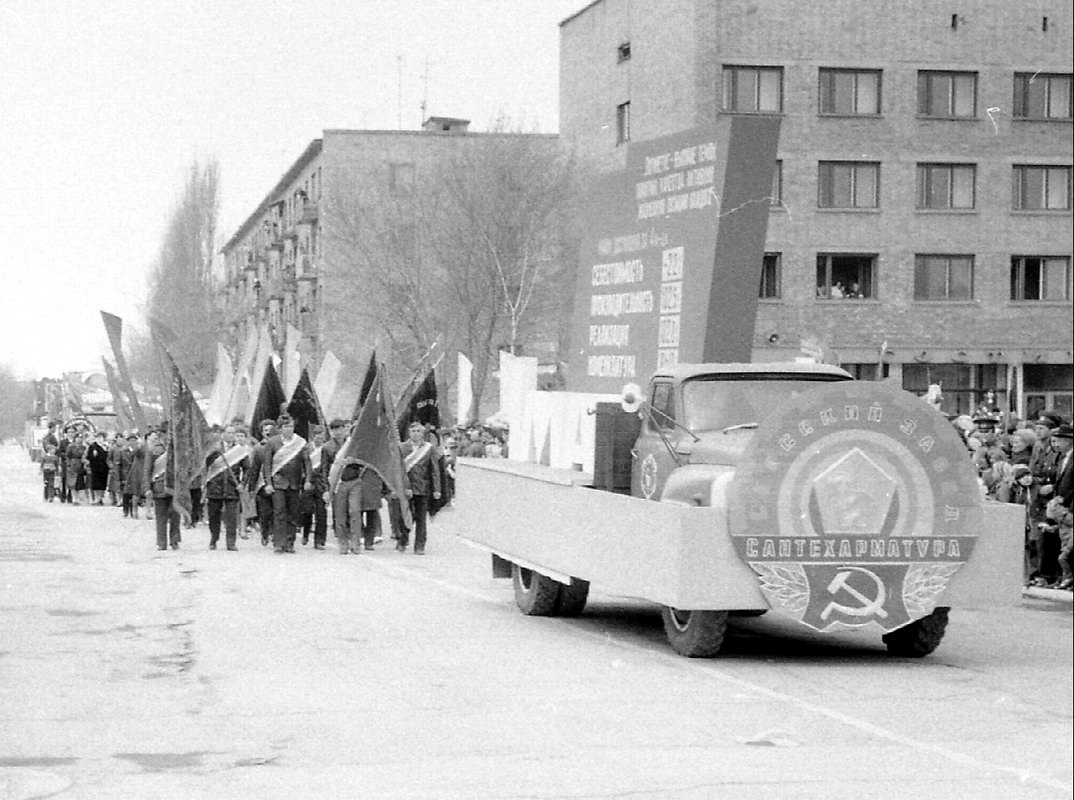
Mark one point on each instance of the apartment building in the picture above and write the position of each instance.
(920, 224)
(298, 261)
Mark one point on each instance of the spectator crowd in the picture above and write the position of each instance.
(1029, 463)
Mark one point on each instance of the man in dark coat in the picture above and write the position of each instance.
(420, 460)
(131, 475)
(255, 482)
(1060, 509)
(285, 467)
(223, 476)
(160, 478)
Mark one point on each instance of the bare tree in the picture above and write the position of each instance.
(181, 291)
(473, 253)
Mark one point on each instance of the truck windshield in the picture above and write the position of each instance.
(718, 402)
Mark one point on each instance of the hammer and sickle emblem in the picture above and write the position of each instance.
(868, 606)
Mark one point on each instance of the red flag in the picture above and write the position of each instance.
(367, 385)
(113, 325)
(190, 436)
(375, 442)
(124, 418)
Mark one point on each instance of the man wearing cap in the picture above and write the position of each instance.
(1059, 509)
(285, 466)
(1044, 464)
(131, 467)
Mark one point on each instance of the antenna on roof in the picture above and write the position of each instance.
(425, 92)
(399, 95)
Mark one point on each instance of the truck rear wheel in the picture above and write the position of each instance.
(695, 634)
(535, 594)
(920, 637)
(572, 598)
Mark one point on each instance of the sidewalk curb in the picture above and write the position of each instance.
(1041, 593)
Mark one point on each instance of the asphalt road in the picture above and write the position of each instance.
(131, 673)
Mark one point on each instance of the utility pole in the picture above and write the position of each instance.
(399, 96)
(425, 92)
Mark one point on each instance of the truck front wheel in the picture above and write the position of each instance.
(535, 594)
(695, 634)
(920, 637)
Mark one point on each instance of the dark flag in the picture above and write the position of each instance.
(113, 326)
(270, 399)
(167, 345)
(375, 443)
(422, 405)
(305, 408)
(190, 437)
(367, 384)
(124, 418)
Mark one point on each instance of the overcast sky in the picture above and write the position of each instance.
(105, 104)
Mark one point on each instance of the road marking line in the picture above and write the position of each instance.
(1023, 776)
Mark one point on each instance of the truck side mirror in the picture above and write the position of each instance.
(631, 398)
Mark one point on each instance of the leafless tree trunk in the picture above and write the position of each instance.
(473, 256)
(181, 290)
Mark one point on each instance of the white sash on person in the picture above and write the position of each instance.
(229, 459)
(419, 453)
(288, 450)
(160, 466)
(315, 457)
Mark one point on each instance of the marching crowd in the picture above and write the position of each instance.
(283, 484)
(274, 487)
(1030, 464)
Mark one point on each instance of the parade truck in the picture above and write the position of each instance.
(731, 485)
(742, 488)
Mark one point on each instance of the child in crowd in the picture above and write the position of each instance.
(50, 468)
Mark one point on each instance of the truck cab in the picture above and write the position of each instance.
(698, 419)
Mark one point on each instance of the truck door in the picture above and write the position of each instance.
(653, 463)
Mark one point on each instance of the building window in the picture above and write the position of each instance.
(1040, 278)
(401, 179)
(965, 386)
(947, 94)
(946, 186)
(776, 197)
(752, 89)
(770, 276)
(623, 52)
(848, 184)
(868, 371)
(842, 275)
(1041, 188)
(622, 123)
(943, 277)
(847, 92)
(1040, 96)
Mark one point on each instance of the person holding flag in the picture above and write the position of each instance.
(287, 473)
(160, 478)
(255, 481)
(420, 460)
(314, 510)
(224, 466)
(372, 446)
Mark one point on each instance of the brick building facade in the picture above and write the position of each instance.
(921, 216)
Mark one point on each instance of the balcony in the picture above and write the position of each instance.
(307, 269)
(309, 214)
